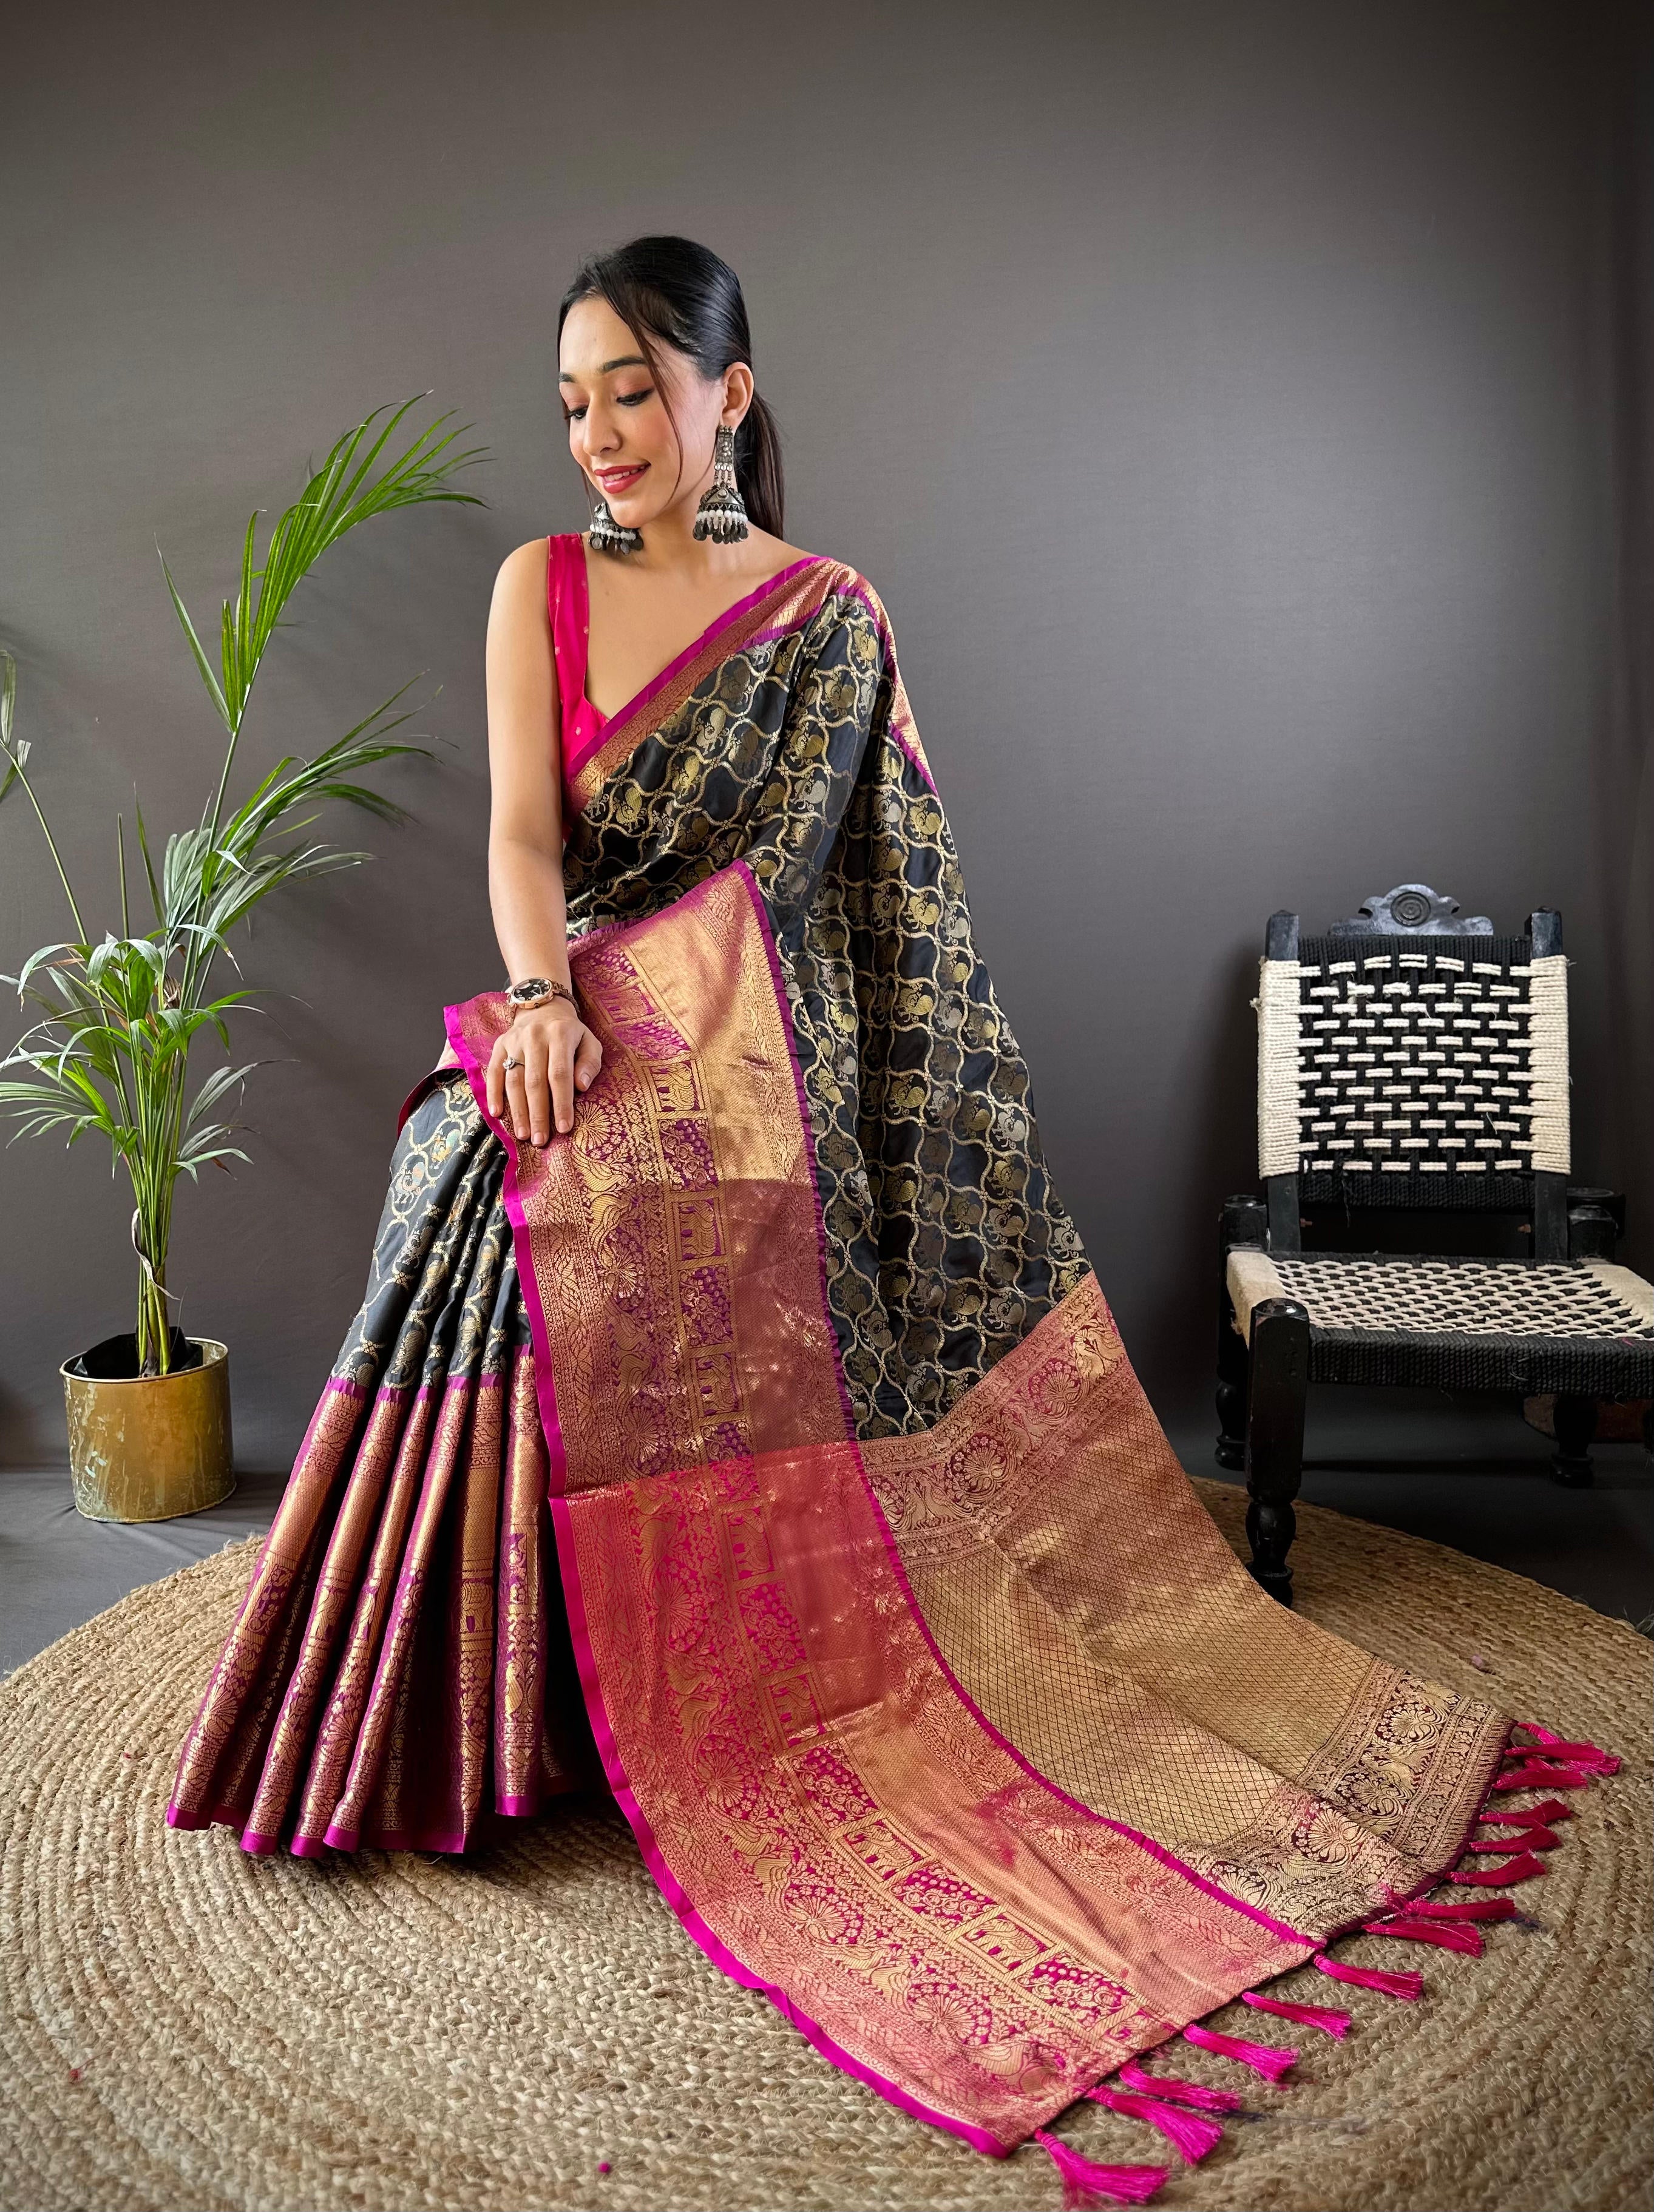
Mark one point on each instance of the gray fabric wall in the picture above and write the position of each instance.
(1233, 405)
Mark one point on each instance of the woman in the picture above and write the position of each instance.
(732, 1414)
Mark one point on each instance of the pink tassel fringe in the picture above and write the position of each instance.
(1500, 1877)
(1086, 2184)
(1446, 1936)
(1186, 2093)
(1305, 2016)
(1548, 1762)
(1189, 2135)
(1526, 1816)
(1468, 1908)
(1267, 2059)
(1576, 1754)
(1409, 1986)
(1534, 1776)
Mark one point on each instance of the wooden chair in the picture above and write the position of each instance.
(1412, 1097)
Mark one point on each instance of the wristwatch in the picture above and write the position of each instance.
(538, 991)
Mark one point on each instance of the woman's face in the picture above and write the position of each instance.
(619, 431)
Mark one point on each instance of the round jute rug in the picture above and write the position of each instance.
(186, 2027)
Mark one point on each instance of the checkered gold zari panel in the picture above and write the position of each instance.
(1443, 1058)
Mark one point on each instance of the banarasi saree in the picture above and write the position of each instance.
(766, 1449)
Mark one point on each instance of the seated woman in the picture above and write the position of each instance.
(733, 1415)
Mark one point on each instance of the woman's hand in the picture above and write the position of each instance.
(552, 1055)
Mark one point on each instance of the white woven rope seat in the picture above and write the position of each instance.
(1580, 1326)
(1588, 1298)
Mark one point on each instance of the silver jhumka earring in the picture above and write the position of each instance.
(609, 536)
(720, 515)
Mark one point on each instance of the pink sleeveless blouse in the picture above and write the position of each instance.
(582, 726)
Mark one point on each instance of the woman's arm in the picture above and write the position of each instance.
(556, 1054)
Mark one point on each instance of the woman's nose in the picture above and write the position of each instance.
(601, 431)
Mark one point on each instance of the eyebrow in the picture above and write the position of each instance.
(626, 360)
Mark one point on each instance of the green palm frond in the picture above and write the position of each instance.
(118, 1016)
(8, 709)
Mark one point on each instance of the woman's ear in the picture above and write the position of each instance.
(738, 393)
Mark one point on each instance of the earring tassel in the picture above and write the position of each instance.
(721, 517)
(1086, 2184)
(609, 536)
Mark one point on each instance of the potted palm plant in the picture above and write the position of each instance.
(121, 1015)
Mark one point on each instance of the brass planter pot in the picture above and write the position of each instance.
(150, 1446)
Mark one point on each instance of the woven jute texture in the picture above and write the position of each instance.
(186, 2027)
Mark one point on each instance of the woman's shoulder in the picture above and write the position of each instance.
(525, 561)
(850, 592)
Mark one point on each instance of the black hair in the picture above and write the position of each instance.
(674, 292)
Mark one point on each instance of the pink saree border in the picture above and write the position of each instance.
(714, 1947)
(580, 1634)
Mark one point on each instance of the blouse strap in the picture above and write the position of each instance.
(566, 605)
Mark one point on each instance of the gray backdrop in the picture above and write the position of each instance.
(1232, 403)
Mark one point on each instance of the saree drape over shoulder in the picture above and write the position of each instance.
(766, 1448)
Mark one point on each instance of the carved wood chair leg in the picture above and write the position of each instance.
(1231, 1387)
(1280, 1384)
(1244, 1221)
(1575, 1422)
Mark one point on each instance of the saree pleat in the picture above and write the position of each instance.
(394, 1677)
(766, 1449)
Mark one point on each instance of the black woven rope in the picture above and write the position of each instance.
(1527, 1364)
(1500, 951)
(1437, 1050)
(1478, 1193)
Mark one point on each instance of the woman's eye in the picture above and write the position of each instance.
(633, 398)
(574, 414)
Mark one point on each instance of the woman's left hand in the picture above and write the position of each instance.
(536, 1068)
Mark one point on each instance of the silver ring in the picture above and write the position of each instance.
(510, 1064)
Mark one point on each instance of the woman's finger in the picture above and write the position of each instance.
(588, 1058)
(496, 1098)
(517, 1102)
(538, 1090)
(561, 1072)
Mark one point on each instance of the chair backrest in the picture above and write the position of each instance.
(1402, 1063)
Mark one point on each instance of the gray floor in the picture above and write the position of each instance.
(1471, 1472)
(57, 1570)
(1464, 1472)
